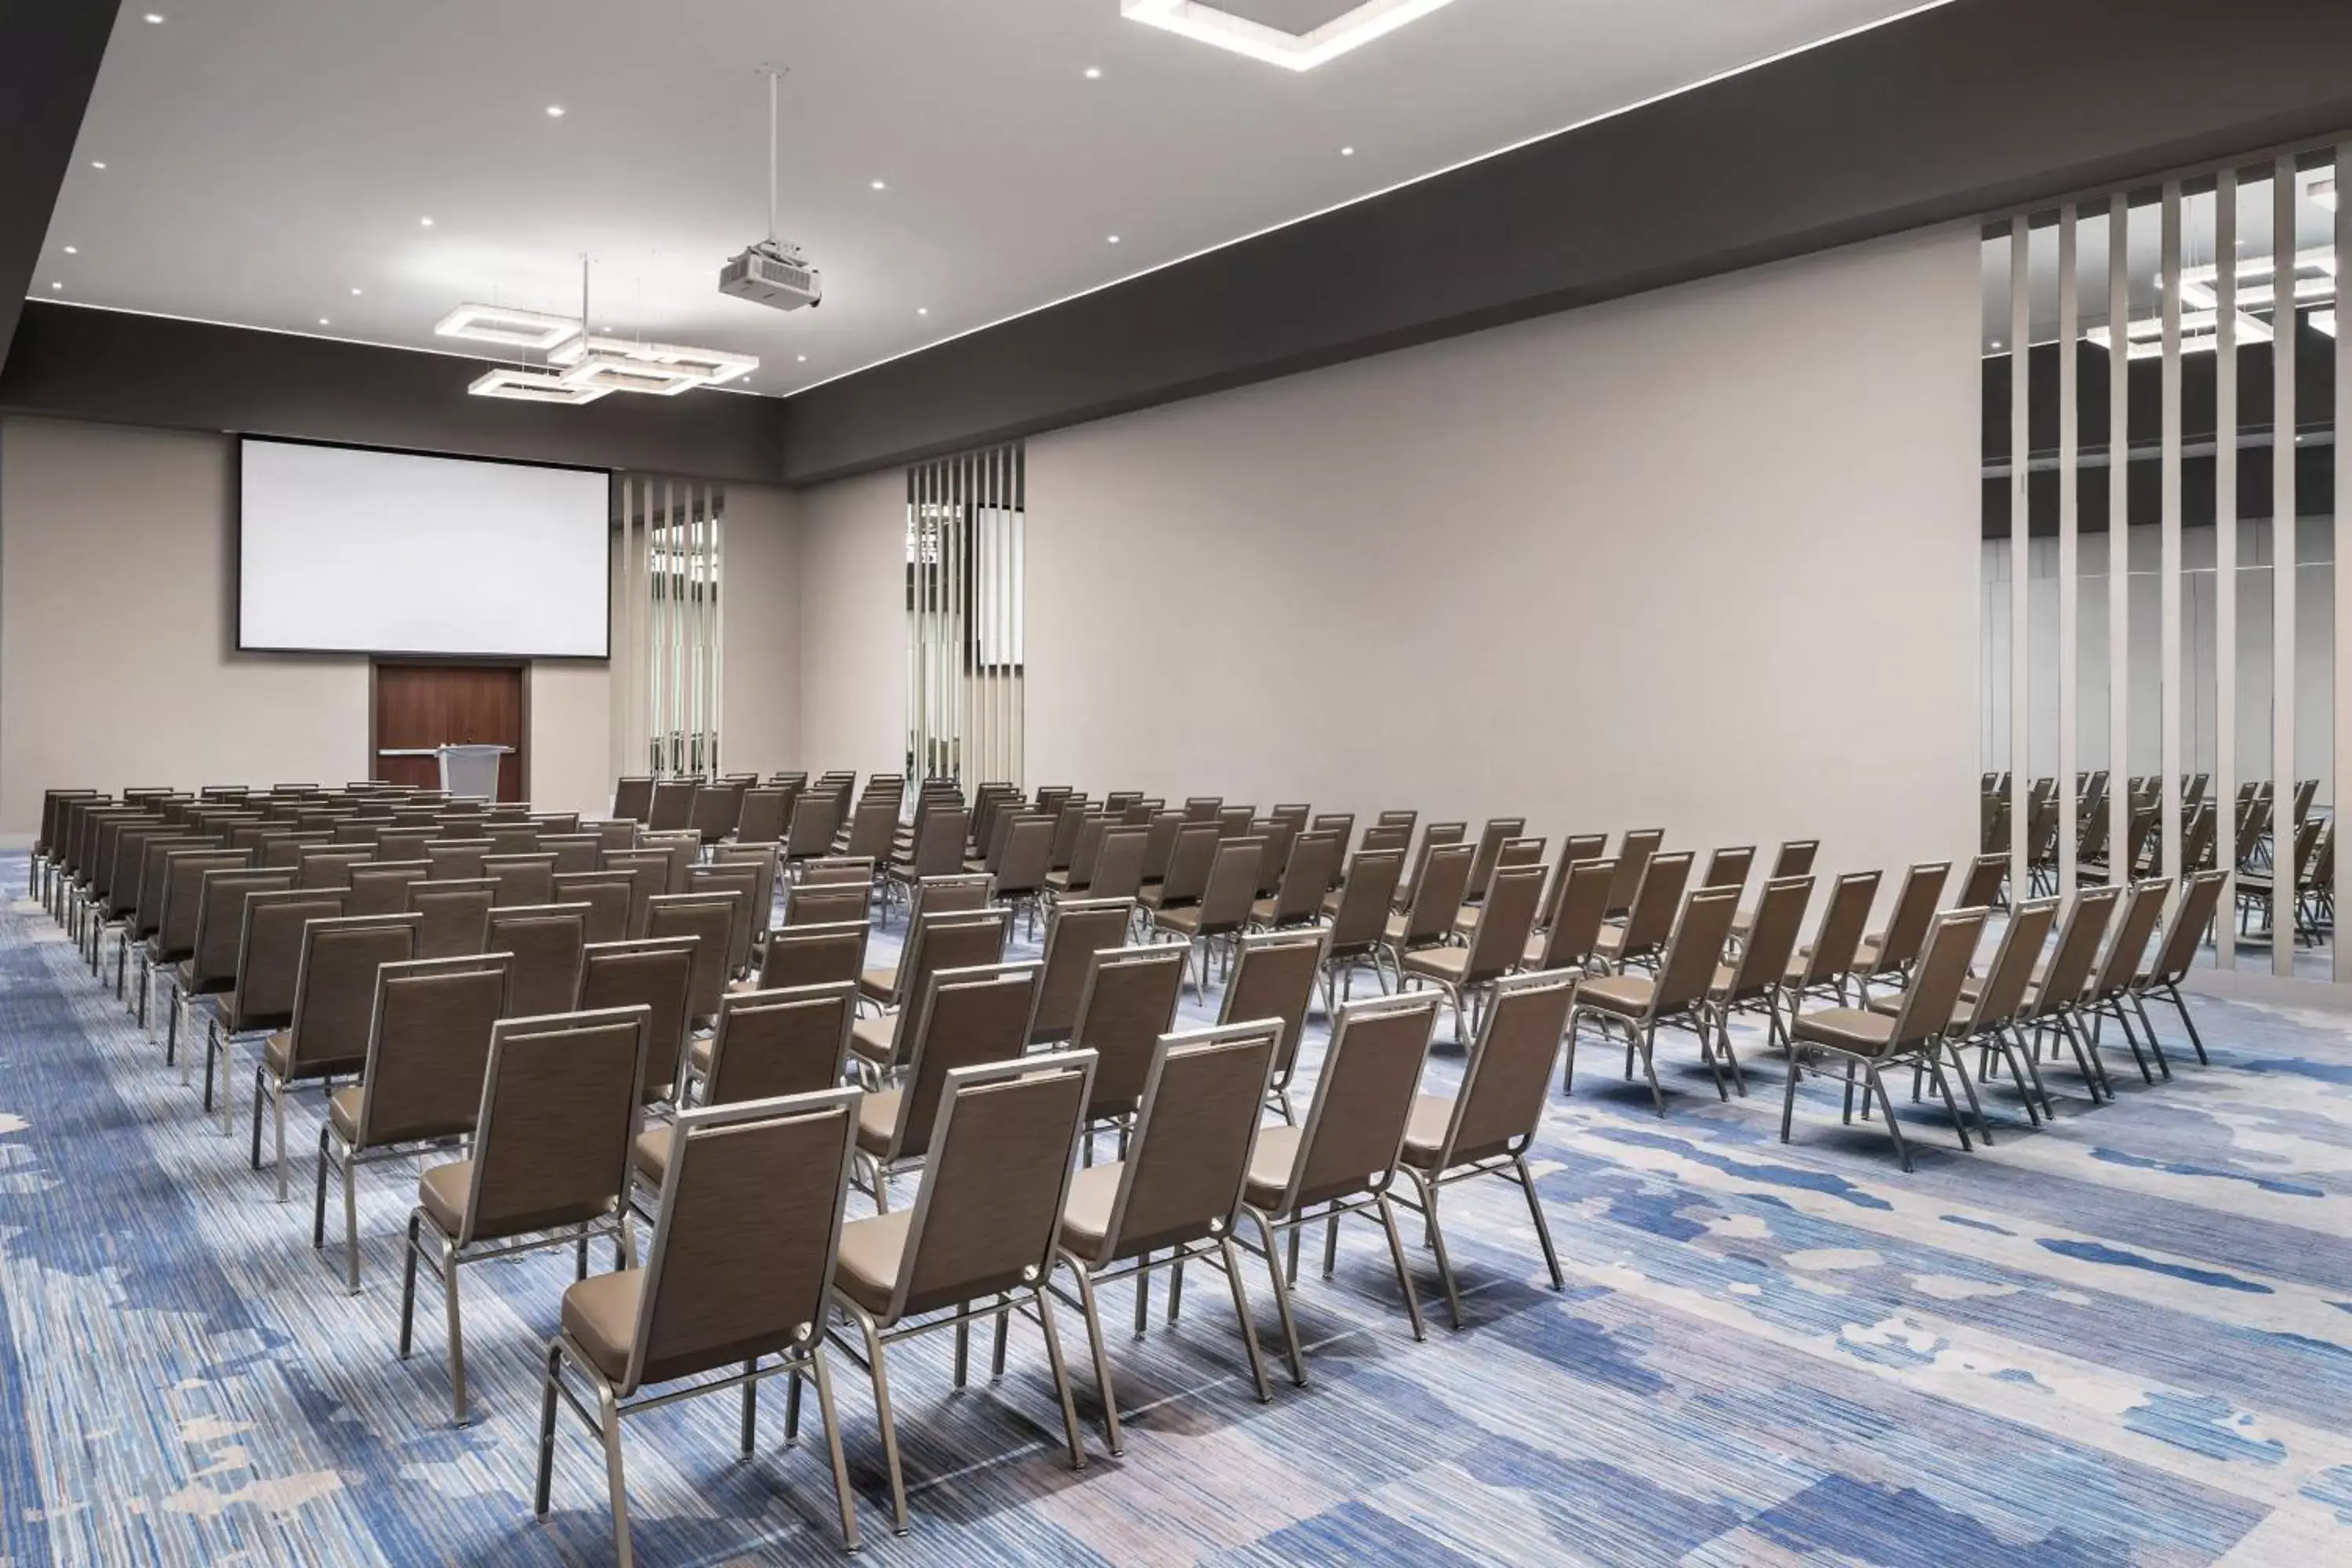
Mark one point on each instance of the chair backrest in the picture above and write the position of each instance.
(768, 1043)
(813, 955)
(457, 914)
(1076, 931)
(269, 953)
(1274, 977)
(966, 939)
(1311, 870)
(1574, 850)
(1728, 867)
(405, 845)
(335, 988)
(827, 903)
(2127, 954)
(559, 1114)
(838, 872)
(288, 849)
(1771, 944)
(1907, 925)
(964, 1017)
(673, 806)
(741, 879)
(959, 893)
(1204, 807)
(1933, 995)
(184, 871)
(1499, 941)
(988, 1212)
(1067, 821)
(767, 860)
(428, 1039)
(746, 1232)
(760, 817)
(1028, 846)
(717, 808)
(1363, 1097)
(1130, 999)
(1438, 894)
(2199, 897)
(1396, 835)
(2068, 971)
(709, 919)
(1188, 1164)
(1274, 838)
(512, 838)
(1573, 936)
(1505, 1087)
(1232, 888)
(684, 848)
(573, 852)
(1160, 844)
(607, 894)
(1189, 863)
(651, 869)
(1633, 852)
(655, 974)
(457, 859)
(152, 876)
(1837, 940)
(521, 878)
(1365, 899)
(1650, 919)
(633, 796)
(1795, 857)
(1119, 866)
(1981, 888)
(1087, 847)
(1490, 848)
(873, 827)
(546, 941)
(2001, 996)
(940, 841)
(817, 816)
(1687, 972)
(1435, 837)
(381, 887)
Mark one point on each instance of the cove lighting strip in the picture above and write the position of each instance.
(1209, 24)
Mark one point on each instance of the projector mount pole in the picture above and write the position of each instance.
(775, 78)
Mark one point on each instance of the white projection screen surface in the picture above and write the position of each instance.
(347, 550)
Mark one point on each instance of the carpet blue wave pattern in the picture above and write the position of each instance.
(2124, 1339)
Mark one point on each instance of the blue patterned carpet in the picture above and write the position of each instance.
(2126, 1339)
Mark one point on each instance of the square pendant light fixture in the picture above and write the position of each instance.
(1217, 25)
(505, 326)
(533, 386)
(584, 366)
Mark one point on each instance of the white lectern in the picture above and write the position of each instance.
(466, 771)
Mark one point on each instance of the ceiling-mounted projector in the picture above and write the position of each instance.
(773, 274)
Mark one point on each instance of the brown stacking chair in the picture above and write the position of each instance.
(1574, 851)
(268, 967)
(813, 955)
(1428, 920)
(633, 796)
(764, 816)
(764, 859)
(456, 915)
(1572, 940)
(654, 973)
(1642, 939)
(709, 919)
(1077, 869)
(741, 880)
(1223, 912)
(1344, 1160)
(1633, 853)
(1753, 980)
(401, 846)
(827, 903)
(1435, 837)
(949, 940)
(150, 879)
(2193, 917)
(2055, 998)
(1130, 999)
(1728, 867)
(546, 941)
(1021, 870)
(1273, 978)
(1980, 889)
(549, 1166)
(1119, 866)
(607, 894)
(981, 1237)
(1307, 877)
(1677, 994)
(838, 870)
(1498, 943)
(1872, 1040)
(573, 852)
(964, 1017)
(173, 941)
(1358, 934)
(766, 1043)
(1485, 1128)
(718, 806)
(326, 1036)
(457, 859)
(2109, 994)
(1076, 931)
(1204, 807)
(523, 878)
(216, 929)
(741, 1269)
(684, 849)
(1498, 831)
(428, 1036)
(1998, 1002)
(1888, 956)
(1822, 968)
(650, 868)
(1193, 851)
(1177, 1192)
(381, 888)
(961, 893)
(673, 806)
(288, 849)
(510, 839)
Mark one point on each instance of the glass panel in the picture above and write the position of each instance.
(1993, 671)
(2093, 796)
(2315, 568)
(2202, 824)
(2040, 758)
(2253, 806)
(2143, 555)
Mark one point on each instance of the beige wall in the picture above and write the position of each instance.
(117, 631)
(853, 615)
(1704, 560)
(759, 701)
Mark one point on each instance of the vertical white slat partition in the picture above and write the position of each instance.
(966, 549)
(2020, 450)
(667, 625)
(2342, 571)
(2168, 543)
(2069, 503)
(2118, 539)
(2283, 240)
(2225, 561)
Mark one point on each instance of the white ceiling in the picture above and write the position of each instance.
(265, 158)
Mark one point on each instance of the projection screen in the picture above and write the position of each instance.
(349, 551)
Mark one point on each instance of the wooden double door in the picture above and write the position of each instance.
(420, 705)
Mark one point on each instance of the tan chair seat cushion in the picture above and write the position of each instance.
(1270, 1166)
(877, 1119)
(875, 1039)
(1853, 1029)
(443, 1191)
(651, 1152)
(1330, 905)
(1059, 881)
(871, 1252)
(1441, 962)
(1424, 1131)
(1184, 920)
(1085, 1217)
(699, 1054)
(1262, 911)
(1628, 995)
(343, 1112)
(1154, 896)
(880, 983)
(277, 1050)
(600, 1313)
